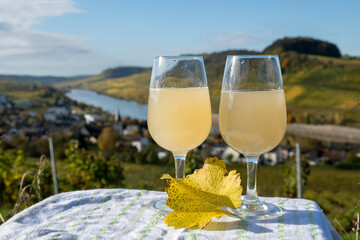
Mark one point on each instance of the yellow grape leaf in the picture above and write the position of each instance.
(201, 196)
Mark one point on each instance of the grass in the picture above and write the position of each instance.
(270, 179)
(314, 90)
(325, 92)
(23, 94)
(146, 176)
(337, 61)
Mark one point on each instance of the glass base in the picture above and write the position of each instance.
(259, 211)
(256, 212)
(161, 206)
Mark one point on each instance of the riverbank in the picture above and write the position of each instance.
(109, 104)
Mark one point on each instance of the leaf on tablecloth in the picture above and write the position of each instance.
(200, 196)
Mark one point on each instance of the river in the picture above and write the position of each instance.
(109, 104)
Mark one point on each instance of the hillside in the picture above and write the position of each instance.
(319, 89)
(48, 80)
(110, 75)
(135, 86)
(72, 81)
(304, 45)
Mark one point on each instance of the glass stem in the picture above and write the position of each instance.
(179, 165)
(251, 193)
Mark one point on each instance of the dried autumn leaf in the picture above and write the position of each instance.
(201, 196)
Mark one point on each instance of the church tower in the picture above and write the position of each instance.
(118, 126)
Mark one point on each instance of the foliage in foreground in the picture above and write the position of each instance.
(21, 185)
(290, 187)
(91, 169)
(341, 208)
(201, 196)
(337, 195)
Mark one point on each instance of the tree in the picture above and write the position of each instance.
(107, 139)
(304, 45)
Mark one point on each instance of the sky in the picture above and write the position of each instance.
(82, 37)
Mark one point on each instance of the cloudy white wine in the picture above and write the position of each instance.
(252, 122)
(179, 119)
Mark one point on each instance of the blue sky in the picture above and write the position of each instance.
(71, 37)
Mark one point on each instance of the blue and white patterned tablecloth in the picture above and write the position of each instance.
(128, 214)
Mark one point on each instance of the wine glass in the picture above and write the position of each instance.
(179, 111)
(252, 119)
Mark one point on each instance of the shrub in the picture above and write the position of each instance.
(91, 169)
(193, 161)
(11, 170)
(290, 188)
(348, 166)
(21, 184)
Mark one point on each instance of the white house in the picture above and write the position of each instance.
(162, 154)
(217, 150)
(131, 129)
(140, 144)
(274, 157)
(93, 118)
(53, 113)
(230, 155)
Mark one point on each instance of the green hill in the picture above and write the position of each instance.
(304, 45)
(319, 89)
(122, 72)
(48, 80)
(110, 73)
(324, 92)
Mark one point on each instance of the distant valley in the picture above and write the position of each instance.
(49, 80)
(321, 86)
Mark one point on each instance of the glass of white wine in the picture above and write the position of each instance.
(252, 119)
(179, 111)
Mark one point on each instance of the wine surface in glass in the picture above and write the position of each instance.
(252, 122)
(179, 119)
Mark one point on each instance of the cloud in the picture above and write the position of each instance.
(19, 43)
(24, 13)
(24, 43)
(226, 41)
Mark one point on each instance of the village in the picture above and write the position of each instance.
(62, 118)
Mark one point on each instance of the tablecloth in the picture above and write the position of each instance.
(128, 214)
